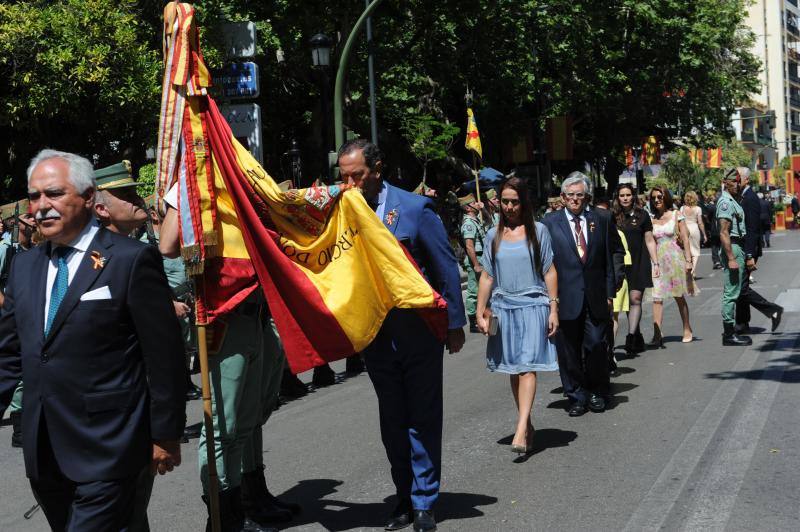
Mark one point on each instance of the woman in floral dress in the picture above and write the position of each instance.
(675, 264)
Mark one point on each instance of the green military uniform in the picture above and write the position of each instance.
(472, 228)
(729, 209)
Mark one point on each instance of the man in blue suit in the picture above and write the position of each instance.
(88, 324)
(405, 359)
(588, 257)
(752, 250)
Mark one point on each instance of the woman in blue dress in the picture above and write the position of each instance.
(519, 273)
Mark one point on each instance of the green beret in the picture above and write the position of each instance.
(115, 176)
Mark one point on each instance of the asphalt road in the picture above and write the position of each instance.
(700, 437)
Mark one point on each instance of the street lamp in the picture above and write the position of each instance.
(321, 59)
(321, 50)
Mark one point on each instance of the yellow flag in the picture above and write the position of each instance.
(473, 141)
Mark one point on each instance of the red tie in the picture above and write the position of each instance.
(582, 249)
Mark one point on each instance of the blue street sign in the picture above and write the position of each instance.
(238, 80)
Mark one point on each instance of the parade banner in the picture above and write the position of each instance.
(329, 268)
(473, 140)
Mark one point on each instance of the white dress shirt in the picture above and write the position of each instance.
(80, 246)
(582, 217)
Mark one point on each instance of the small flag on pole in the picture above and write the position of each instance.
(473, 141)
(714, 159)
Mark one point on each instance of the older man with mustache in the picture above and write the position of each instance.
(103, 400)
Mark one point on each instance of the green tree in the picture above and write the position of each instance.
(78, 75)
(430, 138)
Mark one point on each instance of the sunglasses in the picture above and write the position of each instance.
(509, 201)
(656, 197)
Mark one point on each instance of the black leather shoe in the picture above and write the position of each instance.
(193, 392)
(423, 520)
(717, 266)
(323, 376)
(291, 386)
(776, 319)
(354, 364)
(597, 403)
(577, 410)
(401, 517)
(730, 338)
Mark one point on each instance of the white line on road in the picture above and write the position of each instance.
(656, 505)
(717, 492)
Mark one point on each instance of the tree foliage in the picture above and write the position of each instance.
(84, 75)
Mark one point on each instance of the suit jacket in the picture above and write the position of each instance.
(110, 377)
(752, 222)
(595, 281)
(413, 221)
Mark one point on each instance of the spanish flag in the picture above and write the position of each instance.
(329, 268)
(473, 140)
(714, 159)
(651, 151)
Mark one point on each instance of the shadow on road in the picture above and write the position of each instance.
(790, 375)
(335, 515)
(543, 439)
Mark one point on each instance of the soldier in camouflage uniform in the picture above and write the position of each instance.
(472, 233)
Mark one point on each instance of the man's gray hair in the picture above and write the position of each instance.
(744, 172)
(81, 171)
(573, 179)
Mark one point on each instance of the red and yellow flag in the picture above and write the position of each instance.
(473, 140)
(329, 268)
(714, 158)
(651, 151)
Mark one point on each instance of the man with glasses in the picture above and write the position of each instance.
(589, 259)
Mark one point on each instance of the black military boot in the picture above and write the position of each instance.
(258, 503)
(231, 515)
(323, 376)
(473, 324)
(630, 342)
(638, 343)
(291, 386)
(16, 424)
(729, 336)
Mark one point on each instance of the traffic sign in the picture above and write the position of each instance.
(240, 39)
(245, 122)
(238, 80)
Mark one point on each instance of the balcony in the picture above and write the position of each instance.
(794, 78)
(794, 101)
(796, 128)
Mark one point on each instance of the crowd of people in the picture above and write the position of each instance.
(547, 293)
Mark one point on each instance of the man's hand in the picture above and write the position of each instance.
(483, 324)
(166, 456)
(732, 264)
(181, 309)
(750, 264)
(455, 340)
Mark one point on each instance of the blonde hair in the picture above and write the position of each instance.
(690, 198)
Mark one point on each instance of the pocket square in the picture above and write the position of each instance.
(98, 293)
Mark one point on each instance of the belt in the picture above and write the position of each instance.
(737, 240)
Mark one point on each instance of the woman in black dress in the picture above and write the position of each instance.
(635, 224)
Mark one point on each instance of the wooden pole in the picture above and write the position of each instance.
(208, 419)
(477, 184)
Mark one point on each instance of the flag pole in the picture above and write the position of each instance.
(477, 184)
(208, 422)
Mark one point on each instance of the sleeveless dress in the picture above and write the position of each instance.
(521, 303)
(692, 217)
(672, 281)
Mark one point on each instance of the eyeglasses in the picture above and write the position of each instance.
(576, 195)
(657, 197)
(509, 201)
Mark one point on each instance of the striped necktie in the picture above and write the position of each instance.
(60, 286)
(582, 249)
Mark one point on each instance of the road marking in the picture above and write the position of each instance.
(657, 504)
(717, 491)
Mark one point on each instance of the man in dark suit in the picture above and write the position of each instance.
(752, 250)
(405, 361)
(588, 257)
(89, 325)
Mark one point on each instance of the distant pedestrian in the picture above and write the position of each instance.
(518, 271)
(693, 216)
(766, 219)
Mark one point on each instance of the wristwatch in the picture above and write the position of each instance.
(555, 299)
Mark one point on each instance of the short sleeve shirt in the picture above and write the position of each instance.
(472, 229)
(729, 209)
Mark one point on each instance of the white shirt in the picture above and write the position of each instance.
(80, 246)
(572, 226)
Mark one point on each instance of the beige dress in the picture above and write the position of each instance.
(693, 217)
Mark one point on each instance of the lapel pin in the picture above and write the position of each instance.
(98, 261)
(391, 217)
(591, 227)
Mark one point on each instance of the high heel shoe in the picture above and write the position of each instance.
(688, 339)
(630, 345)
(528, 447)
(638, 343)
(658, 340)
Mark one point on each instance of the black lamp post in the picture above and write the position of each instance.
(321, 60)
